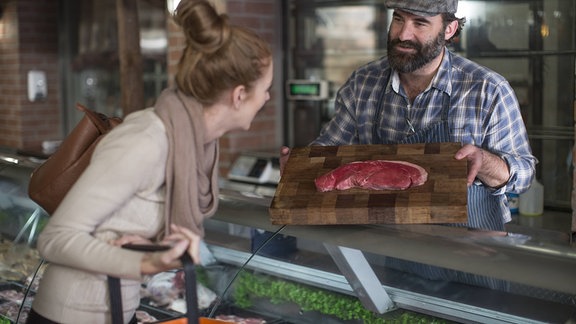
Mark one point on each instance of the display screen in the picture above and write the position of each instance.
(305, 89)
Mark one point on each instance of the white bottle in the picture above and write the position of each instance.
(532, 201)
(513, 202)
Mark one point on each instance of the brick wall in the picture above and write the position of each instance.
(28, 41)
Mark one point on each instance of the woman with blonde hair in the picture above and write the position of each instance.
(153, 178)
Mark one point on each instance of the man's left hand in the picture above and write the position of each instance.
(487, 167)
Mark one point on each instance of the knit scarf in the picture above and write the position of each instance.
(191, 167)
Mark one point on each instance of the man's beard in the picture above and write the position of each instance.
(406, 63)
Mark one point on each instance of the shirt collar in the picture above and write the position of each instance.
(443, 78)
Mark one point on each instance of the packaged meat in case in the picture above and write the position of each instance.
(14, 304)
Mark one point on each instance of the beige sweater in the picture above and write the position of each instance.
(122, 191)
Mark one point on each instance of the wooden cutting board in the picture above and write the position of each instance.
(442, 199)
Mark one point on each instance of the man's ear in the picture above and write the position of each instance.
(451, 29)
(238, 96)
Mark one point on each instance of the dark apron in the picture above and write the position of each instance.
(484, 209)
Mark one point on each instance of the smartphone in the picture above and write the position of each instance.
(146, 247)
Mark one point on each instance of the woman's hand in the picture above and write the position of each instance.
(182, 233)
(130, 239)
(181, 241)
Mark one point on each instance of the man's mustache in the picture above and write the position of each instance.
(405, 44)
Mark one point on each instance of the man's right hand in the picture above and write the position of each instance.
(284, 154)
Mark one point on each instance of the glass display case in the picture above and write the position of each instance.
(229, 289)
(522, 275)
(257, 271)
(20, 222)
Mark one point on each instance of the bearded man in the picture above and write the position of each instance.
(421, 92)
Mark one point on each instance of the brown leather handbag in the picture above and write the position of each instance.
(50, 182)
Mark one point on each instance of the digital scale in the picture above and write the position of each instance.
(307, 90)
(255, 176)
(258, 168)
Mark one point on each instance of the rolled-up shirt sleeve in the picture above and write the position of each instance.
(507, 137)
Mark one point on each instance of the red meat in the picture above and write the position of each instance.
(374, 175)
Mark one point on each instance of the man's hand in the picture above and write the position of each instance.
(487, 167)
(284, 154)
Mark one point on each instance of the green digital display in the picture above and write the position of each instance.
(303, 89)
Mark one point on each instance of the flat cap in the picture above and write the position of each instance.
(425, 8)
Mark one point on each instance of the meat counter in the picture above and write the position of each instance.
(337, 274)
(20, 222)
(21, 267)
(225, 290)
(524, 275)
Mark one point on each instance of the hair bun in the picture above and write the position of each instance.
(205, 30)
(218, 55)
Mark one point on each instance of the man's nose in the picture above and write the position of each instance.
(406, 32)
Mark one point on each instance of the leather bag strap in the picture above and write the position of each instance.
(115, 300)
(191, 294)
(103, 123)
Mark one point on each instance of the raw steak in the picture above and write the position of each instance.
(374, 175)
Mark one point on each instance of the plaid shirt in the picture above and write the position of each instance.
(483, 111)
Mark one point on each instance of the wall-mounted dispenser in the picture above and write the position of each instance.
(37, 86)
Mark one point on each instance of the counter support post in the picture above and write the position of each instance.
(354, 266)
